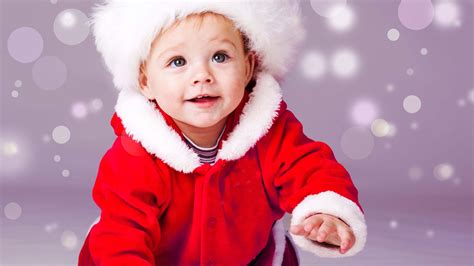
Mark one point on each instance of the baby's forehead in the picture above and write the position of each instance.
(196, 21)
(210, 26)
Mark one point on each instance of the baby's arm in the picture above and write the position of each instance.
(130, 196)
(309, 180)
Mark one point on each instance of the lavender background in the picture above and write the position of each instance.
(415, 182)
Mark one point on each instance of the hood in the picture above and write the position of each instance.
(146, 123)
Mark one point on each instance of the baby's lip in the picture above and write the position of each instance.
(202, 96)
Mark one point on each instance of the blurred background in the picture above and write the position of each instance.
(389, 85)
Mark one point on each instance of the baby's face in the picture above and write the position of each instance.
(191, 59)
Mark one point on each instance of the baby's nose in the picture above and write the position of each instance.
(203, 75)
(202, 80)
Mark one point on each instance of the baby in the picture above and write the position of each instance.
(208, 158)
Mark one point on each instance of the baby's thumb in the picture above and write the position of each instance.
(296, 229)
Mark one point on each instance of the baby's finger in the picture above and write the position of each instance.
(324, 230)
(312, 222)
(347, 239)
(298, 229)
(333, 239)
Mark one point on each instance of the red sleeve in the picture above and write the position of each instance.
(309, 180)
(131, 196)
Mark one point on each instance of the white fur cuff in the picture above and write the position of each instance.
(329, 202)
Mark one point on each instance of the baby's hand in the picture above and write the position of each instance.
(326, 228)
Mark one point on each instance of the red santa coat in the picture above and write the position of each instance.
(161, 206)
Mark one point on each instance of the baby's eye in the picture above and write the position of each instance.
(220, 57)
(178, 62)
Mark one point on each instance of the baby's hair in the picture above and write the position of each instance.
(200, 17)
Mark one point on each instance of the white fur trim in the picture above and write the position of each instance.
(146, 125)
(256, 119)
(125, 29)
(278, 231)
(329, 202)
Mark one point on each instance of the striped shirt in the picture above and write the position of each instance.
(206, 155)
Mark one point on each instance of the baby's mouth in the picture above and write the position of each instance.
(202, 99)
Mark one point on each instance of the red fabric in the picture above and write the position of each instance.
(218, 215)
(290, 257)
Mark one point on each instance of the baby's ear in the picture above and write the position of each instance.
(251, 57)
(143, 83)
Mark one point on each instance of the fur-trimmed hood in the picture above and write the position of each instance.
(160, 136)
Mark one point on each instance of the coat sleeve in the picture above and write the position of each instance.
(309, 180)
(131, 197)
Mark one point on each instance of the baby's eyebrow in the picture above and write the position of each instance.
(216, 39)
(223, 40)
(170, 49)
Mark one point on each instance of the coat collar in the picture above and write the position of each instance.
(160, 136)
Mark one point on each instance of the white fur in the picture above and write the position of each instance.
(329, 202)
(145, 124)
(125, 29)
(256, 119)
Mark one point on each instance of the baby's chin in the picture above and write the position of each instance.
(200, 122)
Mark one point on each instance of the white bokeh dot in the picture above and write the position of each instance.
(57, 158)
(15, 155)
(447, 14)
(341, 17)
(25, 44)
(357, 143)
(12, 211)
(410, 72)
(345, 63)
(470, 96)
(53, 1)
(69, 240)
(380, 128)
(65, 173)
(18, 83)
(415, 14)
(392, 130)
(412, 104)
(79, 110)
(430, 233)
(15, 93)
(424, 51)
(393, 34)
(461, 102)
(443, 171)
(414, 125)
(364, 112)
(313, 65)
(324, 7)
(393, 224)
(71, 27)
(390, 87)
(51, 227)
(46, 138)
(61, 134)
(49, 73)
(10, 148)
(96, 105)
